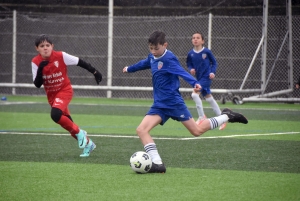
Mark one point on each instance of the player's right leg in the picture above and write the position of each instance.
(199, 107)
(149, 122)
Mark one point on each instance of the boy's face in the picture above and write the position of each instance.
(157, 50)
(197, 40)
(45, 49)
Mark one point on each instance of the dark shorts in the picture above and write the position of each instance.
(205, 84)
(205, 91)
(179, 114)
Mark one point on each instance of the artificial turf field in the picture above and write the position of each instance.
(40, 161)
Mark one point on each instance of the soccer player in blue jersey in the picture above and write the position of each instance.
(168, 102)
(202, 64)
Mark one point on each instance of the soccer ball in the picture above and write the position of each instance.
(140, 162)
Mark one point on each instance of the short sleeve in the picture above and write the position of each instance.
(70, 59)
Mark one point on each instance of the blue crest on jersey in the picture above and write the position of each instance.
(160, 65)
(204, 56)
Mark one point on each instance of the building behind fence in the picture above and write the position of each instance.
(234, 41)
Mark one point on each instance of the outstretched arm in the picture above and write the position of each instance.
(91, 69)
(141, 65)
(73, 60)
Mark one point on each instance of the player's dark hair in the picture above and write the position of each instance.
(157, 37)
(42, 38)
(197, 32)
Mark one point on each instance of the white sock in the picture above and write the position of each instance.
(199, 105)
(214, 105)
(152, 151)
(216, 121)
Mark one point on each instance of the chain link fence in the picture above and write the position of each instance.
(234, 42)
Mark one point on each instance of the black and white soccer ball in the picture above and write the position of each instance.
(140, 162)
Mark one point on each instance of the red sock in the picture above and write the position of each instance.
(74, 136)
(69, 125)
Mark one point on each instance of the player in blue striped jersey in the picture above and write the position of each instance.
(168, 102)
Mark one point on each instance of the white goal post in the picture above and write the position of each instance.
(269, 96)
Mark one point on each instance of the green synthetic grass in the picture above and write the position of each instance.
(40, 161)
(125, 125)
(229, 154)
(41, 167)
(61, 181)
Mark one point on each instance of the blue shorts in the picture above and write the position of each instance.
(205, 84)
(179, 114)
(205, 90)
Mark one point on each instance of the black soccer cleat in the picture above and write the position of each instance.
(234, 116)
(157, 168)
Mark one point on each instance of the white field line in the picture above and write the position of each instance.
(157, 138)
(18, 103)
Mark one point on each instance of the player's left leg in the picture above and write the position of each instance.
(198, 129)
(208, 124)
(234, 117)
(213, 103)
(212, 123)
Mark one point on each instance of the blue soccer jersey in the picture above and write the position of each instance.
(165, 79)
(203, 62)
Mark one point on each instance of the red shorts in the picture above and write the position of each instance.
(61, 101)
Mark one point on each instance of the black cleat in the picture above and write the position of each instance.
(157, 168)
(234, 116)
